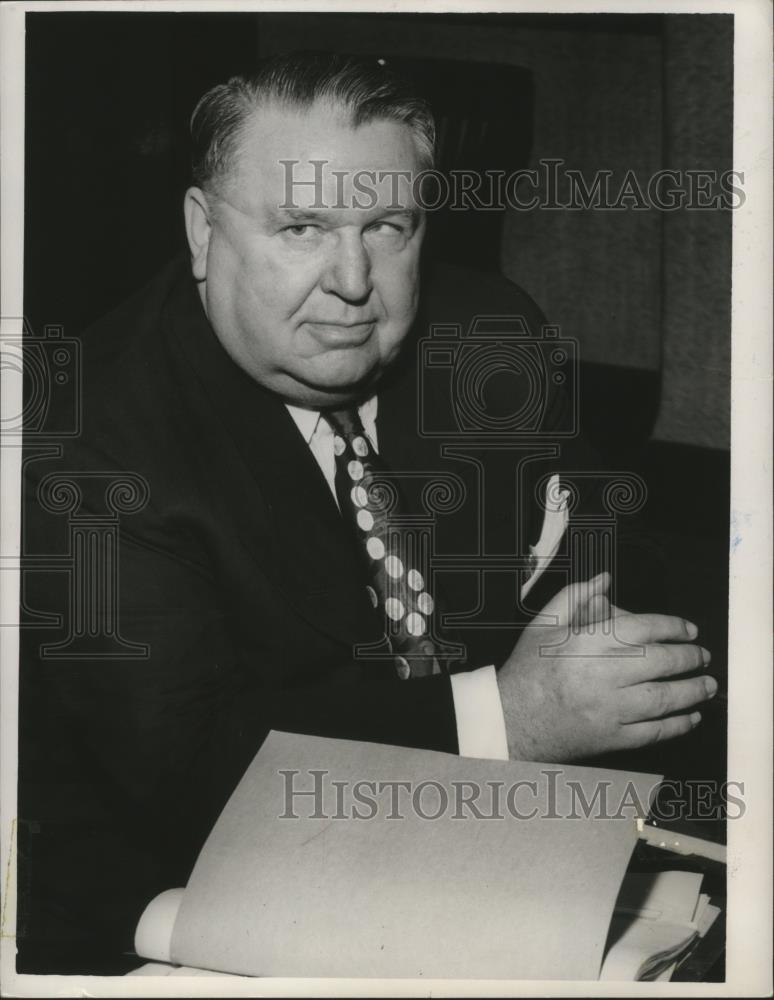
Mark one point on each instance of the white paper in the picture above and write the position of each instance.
(407, 897)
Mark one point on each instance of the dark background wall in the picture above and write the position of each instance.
(646, 293)
(109, 96)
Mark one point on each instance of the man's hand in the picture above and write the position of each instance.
(574, 689)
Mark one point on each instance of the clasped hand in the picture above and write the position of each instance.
(575, 689)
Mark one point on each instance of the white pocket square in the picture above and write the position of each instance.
(555, 520)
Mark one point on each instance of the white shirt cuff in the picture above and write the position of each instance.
(479, 712)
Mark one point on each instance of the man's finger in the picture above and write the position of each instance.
(664, 660)
(597, 610)
(642, 734)
(572, 600)
(650, 628)
(655, 699)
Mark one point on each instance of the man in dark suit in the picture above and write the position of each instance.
(217, 586)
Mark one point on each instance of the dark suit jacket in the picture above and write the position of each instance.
(238, 576)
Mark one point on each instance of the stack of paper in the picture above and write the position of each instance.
(336, 858)
(656, 921)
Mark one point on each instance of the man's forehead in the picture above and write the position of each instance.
(304, 157)
(325, 129)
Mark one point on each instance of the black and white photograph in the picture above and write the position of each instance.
(386, 534)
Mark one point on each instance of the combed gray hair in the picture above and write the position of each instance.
(366, 89)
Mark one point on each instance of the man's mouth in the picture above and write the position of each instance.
(334, 335)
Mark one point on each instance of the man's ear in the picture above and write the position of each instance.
(198, 228)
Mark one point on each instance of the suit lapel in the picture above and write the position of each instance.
(407, 449)
(403, 446)
(305, 546)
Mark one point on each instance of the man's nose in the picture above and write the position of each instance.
(348, 273)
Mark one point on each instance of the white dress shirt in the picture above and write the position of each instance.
(477, 705)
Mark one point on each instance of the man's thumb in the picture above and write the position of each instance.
(567, 605)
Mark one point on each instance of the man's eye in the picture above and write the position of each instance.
(387, 236)
(302, 230)
(389, 228)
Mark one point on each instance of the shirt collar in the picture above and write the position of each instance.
(307, 420)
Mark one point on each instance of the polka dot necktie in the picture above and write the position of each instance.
(396, 587)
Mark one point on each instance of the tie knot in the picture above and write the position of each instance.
(346, 423)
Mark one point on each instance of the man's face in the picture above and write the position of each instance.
(312, 302)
